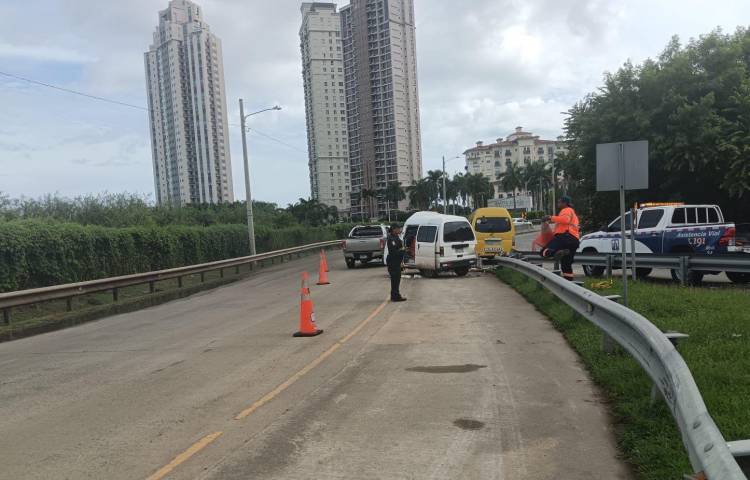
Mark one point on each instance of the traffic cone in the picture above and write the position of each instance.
(324, 260)
(323, 273)
(307, 326)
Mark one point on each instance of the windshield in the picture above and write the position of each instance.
(367, 232)
(493, 224)
(457, 232)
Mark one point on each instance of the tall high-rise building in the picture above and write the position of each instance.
(325, 102)
(380, 66)
(188, 112)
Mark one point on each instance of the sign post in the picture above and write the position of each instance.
(619, 167)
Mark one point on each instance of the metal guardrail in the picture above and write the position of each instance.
(684, 263)
(709, 452)
(69, 291)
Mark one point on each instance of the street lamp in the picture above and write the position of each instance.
(445, 190)
(248, 194)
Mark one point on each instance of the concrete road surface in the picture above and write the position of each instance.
(463, 381)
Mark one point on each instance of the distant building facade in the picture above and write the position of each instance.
(520, 147)
(188, 113)
(325, 104)
(382, 100)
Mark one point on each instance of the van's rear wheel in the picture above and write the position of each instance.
(350, 262)
(462, 271)
(643, 272)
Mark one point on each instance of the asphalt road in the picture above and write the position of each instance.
(463, 381)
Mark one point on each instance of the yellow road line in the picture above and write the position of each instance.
(184, 456)
(291, 380)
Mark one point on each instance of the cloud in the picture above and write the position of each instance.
(44, 53)
(485, 66)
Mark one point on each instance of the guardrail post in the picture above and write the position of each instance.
(115, 295)
(69, 304)
(6, 316)
(221, 273)
(683, 271)
(237, 269)
(179, 282)
(610, 261)
(151, 287)
(203, 277)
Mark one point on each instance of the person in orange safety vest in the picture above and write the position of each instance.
(567, 235)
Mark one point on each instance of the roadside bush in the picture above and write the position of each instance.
(37, 254)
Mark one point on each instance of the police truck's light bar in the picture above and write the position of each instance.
(660, 204)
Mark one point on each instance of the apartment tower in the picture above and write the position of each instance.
(188, 113)
(382, 98)
(325, 103)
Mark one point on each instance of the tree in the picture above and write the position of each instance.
(692, 104)
(393, 193)
(479, 188)
(435, 179)
(420, 196)
(512, 179)
(537, 176)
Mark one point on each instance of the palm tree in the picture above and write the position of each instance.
(393, 193)
(420, 196)
(461, 190)
(537, 175)
(512, 179)
(435, 179)
(479, 188)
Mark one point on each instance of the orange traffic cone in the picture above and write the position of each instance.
(324, 260)
(307, 326)
(323, 273)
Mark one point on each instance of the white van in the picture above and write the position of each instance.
(439, 243)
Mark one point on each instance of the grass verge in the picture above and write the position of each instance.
(717, 352)
(54, 315)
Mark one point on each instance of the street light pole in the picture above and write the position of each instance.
(445, 191)
(248, 193)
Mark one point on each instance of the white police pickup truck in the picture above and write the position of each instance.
(664, 229)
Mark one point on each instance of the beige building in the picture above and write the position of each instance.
(382, 98)
(520, 147)
(188, 113)
(325, 104)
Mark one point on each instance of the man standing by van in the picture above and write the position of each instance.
(394, 261)
(567, 235)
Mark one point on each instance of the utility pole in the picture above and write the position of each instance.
(445, 191)
(554, 186)
(248, 193)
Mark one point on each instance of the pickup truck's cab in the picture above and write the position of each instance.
(664, 229)
(437, 243)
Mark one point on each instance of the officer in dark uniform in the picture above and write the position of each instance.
(394, 261)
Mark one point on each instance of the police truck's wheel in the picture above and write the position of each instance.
(643, 272)
(739, 277)
(694, 278)
(462, 272)
(350, 263)
(591, 270)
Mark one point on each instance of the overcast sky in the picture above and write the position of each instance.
(485, 66)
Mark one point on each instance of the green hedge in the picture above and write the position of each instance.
(35, 254)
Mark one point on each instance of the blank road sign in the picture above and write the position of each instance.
(635, 156)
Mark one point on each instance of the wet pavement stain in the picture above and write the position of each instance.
(470, 367)
(468, 424)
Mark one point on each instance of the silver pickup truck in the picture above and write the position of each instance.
(365, 243)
